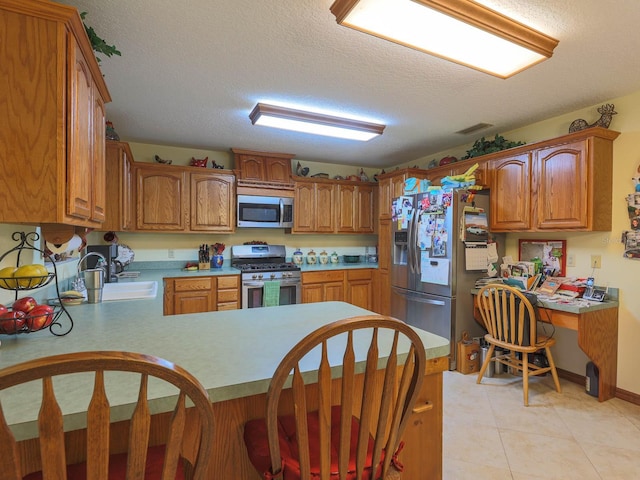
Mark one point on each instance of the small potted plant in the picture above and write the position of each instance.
(217, 258)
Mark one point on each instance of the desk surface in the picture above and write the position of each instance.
(233, 353)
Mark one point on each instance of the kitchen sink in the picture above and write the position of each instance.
(129, 290)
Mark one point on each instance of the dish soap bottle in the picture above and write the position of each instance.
(297, 257)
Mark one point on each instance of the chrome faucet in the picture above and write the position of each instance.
(78, 284)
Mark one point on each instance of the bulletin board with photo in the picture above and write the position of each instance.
(553, 254)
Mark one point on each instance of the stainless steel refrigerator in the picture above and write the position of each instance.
(431, 279)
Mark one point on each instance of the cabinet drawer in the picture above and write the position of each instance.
(360, 274)
(322, 277)
(227, 296)
(227, 306)
(228, 282)
(190, 284)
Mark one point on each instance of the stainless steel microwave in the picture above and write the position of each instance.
(265, 212)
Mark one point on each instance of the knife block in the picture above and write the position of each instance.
(204, 266)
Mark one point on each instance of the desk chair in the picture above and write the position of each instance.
(343, 428)
(141, 461)
(510, 320)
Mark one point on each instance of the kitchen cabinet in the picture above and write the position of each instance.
(263, 166)
(383, 297)
(334, 206)
(119, 207)
(213, 203)
(54, 95)
(511, 193)
(201, 294)
(161, 198)
(323, 286)
(391, 185)
(228, 292)
(355, 286)
(355, 208)
(360, 287)
(314, 204)
(563, 184)
(184, 199)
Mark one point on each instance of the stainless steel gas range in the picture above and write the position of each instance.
(266, 265)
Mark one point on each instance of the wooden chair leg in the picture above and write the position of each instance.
(525, 377)
(554, 373)
(485, 364)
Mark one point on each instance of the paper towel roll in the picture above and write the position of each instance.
(72, 244)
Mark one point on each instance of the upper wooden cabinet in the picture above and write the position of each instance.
(313, 207)
(183, 199)
(213, 203)
(53, 96)
(263, 166)
(391, 185)
(119, 207)
(510, 197)
(563, 184)
(333, 206)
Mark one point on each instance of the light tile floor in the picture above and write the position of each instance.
(490, 434)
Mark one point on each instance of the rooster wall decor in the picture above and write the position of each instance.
(606, 112)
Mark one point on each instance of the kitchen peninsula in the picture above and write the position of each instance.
(233, 353)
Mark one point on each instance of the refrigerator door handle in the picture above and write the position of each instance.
(414, 243)
(411, 242)
(417, 298)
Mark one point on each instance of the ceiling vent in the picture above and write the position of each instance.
(474, 128)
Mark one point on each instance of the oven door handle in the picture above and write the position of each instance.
(261, 284)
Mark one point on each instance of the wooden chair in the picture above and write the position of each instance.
(511, 323)
(141, 461)
(343, 427)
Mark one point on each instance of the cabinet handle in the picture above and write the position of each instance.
(423, 408)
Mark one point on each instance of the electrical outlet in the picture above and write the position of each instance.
(571, 260)
(171, 253)
(596, 261)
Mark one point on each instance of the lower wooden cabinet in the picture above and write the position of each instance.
(325, 286)
(201, 294)
(355, 286)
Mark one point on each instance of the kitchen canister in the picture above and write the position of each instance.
(311, 257)
(324, 257)
(334, 258)
(297, 257)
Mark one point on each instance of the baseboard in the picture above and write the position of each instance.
(580, 380)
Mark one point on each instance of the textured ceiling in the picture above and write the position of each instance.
(190, 73)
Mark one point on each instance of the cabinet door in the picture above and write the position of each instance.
(313, 293)
(346, 209)
(323, 286)
(212, 202)
(80, 150)
(324, 208)
(365, 208)
(98, 177)
(277, 170)
(360, 288)
(160, 198)
(511, 193)
(561, 187)
(251, 167)
(304, 209)
(333, 292)
(384, 198)
(118, 207)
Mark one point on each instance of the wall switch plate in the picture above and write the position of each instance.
(571, 260)
(596, 261)
(171, 253)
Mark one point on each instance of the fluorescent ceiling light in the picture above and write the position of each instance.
(316, 123)
(462, 31)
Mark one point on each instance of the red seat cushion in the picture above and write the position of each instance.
(256, 440)
(118, 467)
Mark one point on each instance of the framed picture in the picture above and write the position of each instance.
(553, 254)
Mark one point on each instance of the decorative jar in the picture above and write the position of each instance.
(334, 257)
(311, 257)
(217, 261)
(297, 257)
(324, 257)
